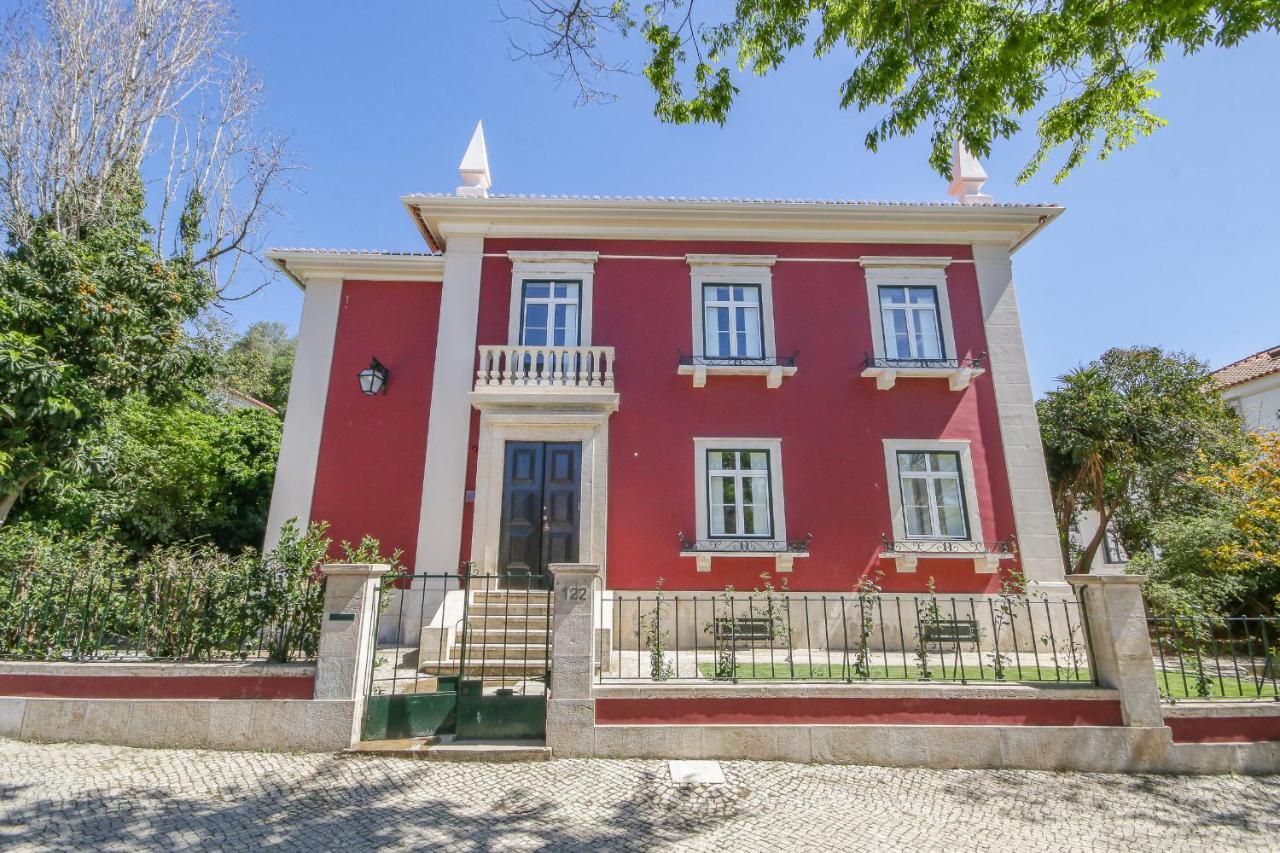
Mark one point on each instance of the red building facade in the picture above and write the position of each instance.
(697, 391)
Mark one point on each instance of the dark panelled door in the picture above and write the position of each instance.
(541, 483)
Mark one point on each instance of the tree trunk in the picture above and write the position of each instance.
(1085, 560)
(6, 504)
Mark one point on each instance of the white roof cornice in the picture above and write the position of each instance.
(302, 264)
(439, 217)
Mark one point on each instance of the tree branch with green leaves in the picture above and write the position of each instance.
(978, 70)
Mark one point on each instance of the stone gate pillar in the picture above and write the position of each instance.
(347, 626)
(1120, 643)
(571, 710)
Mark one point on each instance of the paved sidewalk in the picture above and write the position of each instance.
(75, 796)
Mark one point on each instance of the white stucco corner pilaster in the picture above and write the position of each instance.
(1038, 544)
(449, 422)
(304, 418)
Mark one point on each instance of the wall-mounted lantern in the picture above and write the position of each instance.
(373, 379)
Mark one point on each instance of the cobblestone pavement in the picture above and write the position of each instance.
(112, 798)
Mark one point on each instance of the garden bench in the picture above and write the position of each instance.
(950, 632)
(743, 629)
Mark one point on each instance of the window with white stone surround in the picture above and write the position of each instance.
(933, 506)
(731, 300)
(551, 298)
(912, 336)
(740, 508)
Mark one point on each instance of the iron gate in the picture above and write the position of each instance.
(462, 655)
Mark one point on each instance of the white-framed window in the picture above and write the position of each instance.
(549, 312)
(910, 308)
(731, 321)
(739, 488)
(932, 494)
(732, 302)
(738, 498)
(910, 322)
(933, 497)
(551, 298)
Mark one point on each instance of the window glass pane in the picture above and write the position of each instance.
(537, 291)
(535, 324)
(567, 290)
(897, 336)
(944, 461)
(892, 295)
(720, 294)
(917, 519)
(912, 461)
(927, 342)
(749, 326)
(566, 330)
(717, 326)
(756, 461)
(947, 491)
(923, 296)
(951, 520)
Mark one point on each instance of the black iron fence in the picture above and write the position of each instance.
(777, 636)
(1200, 656)
(492, 629)
(231, 609)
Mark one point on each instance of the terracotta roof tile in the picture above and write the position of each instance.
(1252, 367)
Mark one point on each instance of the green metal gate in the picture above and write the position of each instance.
(479, 668)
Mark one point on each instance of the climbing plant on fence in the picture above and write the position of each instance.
(72, 598)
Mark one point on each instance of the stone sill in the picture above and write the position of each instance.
(772, 373)
(809, 690)
(958, 378)
(164, 669)
(552, 397)
(783, 561)
(905, 562)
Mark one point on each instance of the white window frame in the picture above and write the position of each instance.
(702, 499)
(898, 520)
(551, 301)
(912, 311)
(737, 475)
(885, 271)
(731, 304)
(552, 266)
(756, 270)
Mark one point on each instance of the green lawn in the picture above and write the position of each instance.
(1173, 685)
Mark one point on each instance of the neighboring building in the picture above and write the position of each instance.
(1112, 556)
(1251, 386)
(697, 390)
(235, 400)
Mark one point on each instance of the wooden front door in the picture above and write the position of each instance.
(540, 512)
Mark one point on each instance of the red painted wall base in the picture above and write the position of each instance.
(858, 711)
(156, 687)
(1223, 729)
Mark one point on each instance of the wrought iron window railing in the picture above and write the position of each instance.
(974, 363)
(737, 361)
(948, 546)
(744, 546)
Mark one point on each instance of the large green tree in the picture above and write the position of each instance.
(260, 363)
(1128, 436)
(967, 69)
(86, 320)
(168, 474)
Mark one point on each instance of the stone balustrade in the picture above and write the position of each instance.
(545, 367)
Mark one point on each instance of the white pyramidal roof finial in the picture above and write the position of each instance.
(474, 167)
(967, 177)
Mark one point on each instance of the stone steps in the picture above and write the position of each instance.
(433, 749)
(508, 636)
(491, 669)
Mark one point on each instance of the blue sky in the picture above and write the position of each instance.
(1173, 242)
